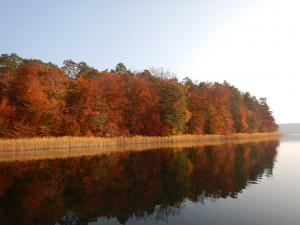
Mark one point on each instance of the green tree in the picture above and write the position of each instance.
(71, 68)
(267, 122)
(10, 62)
(174, 111)
(121, 68)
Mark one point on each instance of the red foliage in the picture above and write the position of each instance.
(38, 99)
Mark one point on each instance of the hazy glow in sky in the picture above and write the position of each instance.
(259, 52)
(254, 45)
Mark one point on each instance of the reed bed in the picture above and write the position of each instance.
(61, 147)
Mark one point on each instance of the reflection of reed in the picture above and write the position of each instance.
(43, 148)
(123, 186)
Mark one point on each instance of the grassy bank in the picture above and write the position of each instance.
(40, 148)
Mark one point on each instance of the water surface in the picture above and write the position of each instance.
(253, 183)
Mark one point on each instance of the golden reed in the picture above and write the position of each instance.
(58, 147)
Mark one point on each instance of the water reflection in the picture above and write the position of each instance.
(147, 184)
(291, 138)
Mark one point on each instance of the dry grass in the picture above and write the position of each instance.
(41, 148)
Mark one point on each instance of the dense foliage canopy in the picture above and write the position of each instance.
(41, 99)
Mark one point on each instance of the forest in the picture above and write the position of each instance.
(39, 99)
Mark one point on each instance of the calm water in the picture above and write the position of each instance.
(254, 183)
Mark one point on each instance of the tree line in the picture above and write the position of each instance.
(42, 99)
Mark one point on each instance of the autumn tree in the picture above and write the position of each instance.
(7, 114)
(114, 97)
(41, 99)
(197, 103)
(85, 109)
(143, 108)
(38, 97)
(30, 99)
(56, 85)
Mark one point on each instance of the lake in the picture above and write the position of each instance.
(251, 183)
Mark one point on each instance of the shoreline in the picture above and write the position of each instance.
(62, 147)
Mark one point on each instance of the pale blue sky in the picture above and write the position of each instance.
(254, 45)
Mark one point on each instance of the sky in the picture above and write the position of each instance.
(254, 45)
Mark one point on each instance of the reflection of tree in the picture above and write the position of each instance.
(69, 219)
(72, 219)
(163, 212)
(125, 185)
(225, 170)
(176, 177)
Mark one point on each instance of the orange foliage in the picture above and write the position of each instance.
(38, 99)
